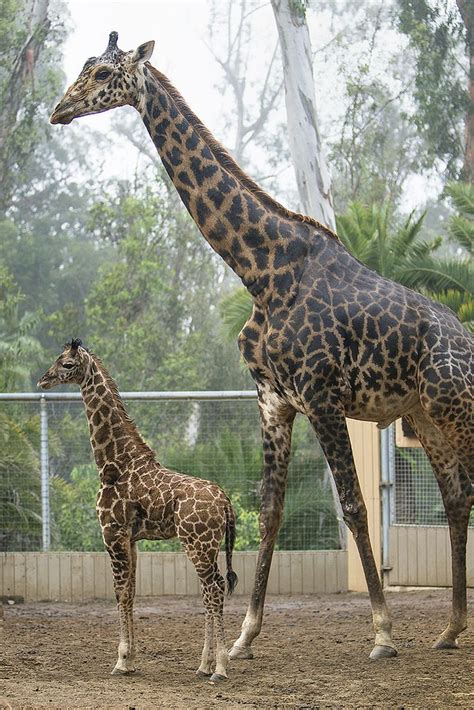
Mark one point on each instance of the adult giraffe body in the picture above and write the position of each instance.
(327, 337)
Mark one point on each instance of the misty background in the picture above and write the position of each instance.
(95, 243)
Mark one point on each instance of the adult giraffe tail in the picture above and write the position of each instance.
(232, 578)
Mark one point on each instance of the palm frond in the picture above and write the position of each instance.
(404, 238)
(437, 274)
(461, 230)
(235, 309)
(462, 195)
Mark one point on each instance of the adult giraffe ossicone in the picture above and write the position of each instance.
(327, 336)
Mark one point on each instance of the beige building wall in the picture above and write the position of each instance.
(365, 438)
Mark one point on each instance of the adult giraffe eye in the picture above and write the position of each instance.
(102, 74)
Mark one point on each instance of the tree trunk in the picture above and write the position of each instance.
(466, 8)
(312, 175)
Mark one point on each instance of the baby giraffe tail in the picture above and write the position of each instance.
(229, 546)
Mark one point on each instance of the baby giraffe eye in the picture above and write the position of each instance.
(68, 365)
(102, 74)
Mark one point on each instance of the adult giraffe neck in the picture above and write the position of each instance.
(114, 436)
(264, 243)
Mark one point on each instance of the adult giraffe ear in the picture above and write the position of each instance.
(143, 53)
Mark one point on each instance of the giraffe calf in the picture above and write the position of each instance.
(140, 499)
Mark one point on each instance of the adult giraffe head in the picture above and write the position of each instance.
(105, 82)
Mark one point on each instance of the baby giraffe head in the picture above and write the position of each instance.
(111, 80)
(70, 367)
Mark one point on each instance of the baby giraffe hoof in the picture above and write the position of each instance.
(379, 652)
(202, 674)
(217, 678)
(442, 644)
(240, 652)
(120, 670)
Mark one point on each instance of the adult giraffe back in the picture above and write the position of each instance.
(327, 336)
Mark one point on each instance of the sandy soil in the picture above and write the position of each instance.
(312, 653)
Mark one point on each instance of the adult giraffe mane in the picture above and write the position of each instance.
(228, 162)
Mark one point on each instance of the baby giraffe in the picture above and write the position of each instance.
(140, 499)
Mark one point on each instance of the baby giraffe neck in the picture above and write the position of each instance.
(113, 435)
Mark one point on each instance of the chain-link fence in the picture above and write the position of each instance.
(417, 499)
(49, 482)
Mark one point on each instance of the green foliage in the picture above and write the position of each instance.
(461, 226)
(248, 529)
(368, 234)
(151, 312)
(20, 499)
(19, 349)
(74, 520)
(235, 310)
(377, 148)
(437, 36)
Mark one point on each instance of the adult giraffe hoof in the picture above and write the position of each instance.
(202, 674)
(379, 652)
(240, 652)
(217, 678)
(442, 644)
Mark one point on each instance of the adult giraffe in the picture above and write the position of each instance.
(327, 336)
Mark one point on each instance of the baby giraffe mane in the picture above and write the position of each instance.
(228, 162)
(112, 386)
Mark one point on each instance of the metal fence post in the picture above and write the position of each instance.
(386, 486)
(44, 458)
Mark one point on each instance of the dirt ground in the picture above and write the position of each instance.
(312, 653)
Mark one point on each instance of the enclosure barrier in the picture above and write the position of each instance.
(50, 544)
(63, 397)
(218, 435)
(79, 576)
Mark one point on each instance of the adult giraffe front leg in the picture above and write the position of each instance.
(329, 422)
(276, 418)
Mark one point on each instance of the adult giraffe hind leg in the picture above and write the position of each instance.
(455, 483)
(330, 426)
(277, 422)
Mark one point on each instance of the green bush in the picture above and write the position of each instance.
(74, 520)
(20, 494)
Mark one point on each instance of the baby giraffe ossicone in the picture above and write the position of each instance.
(140, 499)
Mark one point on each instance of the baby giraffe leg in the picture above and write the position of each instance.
(123, 558)
(213, 597)
(212, 593)
(205, 669)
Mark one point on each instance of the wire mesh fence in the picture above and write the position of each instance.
(417, 498)
(213, 436)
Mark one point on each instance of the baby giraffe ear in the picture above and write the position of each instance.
(143, 52)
